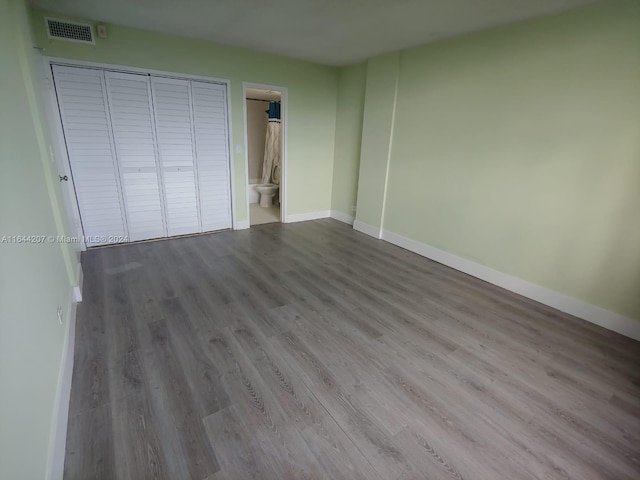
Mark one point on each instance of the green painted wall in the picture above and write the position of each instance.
(31, 60)
(35, 278)
(351, 87)
(312, 97)
(377, 128)
(519, 148)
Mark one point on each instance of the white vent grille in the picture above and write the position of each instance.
(70, 31)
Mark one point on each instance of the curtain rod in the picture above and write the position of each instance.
(261, 100)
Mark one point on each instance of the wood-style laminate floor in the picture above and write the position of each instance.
(309, 350)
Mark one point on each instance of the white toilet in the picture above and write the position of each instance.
(266, 191)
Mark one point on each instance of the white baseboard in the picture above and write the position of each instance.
(591, 313)
(242, 225)
(58, 440)
(367, 229)
(342, 217)
(303, 217)
(77, 290)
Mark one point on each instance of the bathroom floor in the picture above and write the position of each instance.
(259, 215)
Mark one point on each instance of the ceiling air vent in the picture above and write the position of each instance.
(70, 31)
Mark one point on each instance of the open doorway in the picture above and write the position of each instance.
(264, 123)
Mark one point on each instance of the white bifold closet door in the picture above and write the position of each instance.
(87, 129)
(174, 126)
(134, 137)
(191, 125)
(212, 152)
(149, 154)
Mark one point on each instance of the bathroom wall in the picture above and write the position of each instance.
(256, 134)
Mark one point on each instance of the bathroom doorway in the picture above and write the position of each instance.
(265, 153)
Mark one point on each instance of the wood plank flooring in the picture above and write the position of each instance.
(311, 351)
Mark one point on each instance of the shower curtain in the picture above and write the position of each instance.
(272, 146)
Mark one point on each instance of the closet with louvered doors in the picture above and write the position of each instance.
(148, 154)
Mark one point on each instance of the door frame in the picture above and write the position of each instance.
(60, 156)
(59, 149)
(284, 103)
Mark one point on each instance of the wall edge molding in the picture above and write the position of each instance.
(303, 217)
(591, 313)
(77, 289)
(342, 217)
(242, 225)
(375, 232)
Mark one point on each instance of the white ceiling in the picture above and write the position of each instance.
(258, 94)
(333, 32)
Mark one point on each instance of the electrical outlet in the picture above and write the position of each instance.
(353, 208)
(60, 314)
